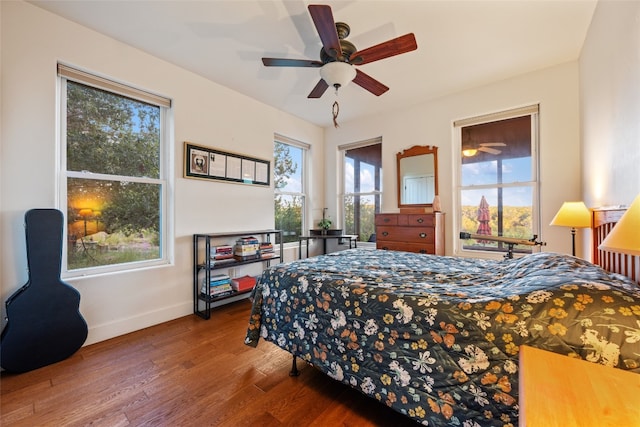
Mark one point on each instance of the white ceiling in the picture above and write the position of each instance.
(461, 44)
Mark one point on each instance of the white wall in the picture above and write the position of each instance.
(610, 94)
(205, 113)
(431, 123)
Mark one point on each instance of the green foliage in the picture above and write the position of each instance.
(324, 223)
(284, 165)
(516, 222)
(116, 248)
(113, 135)
(366, 211)
(133, 206)
(288, 208)
(110, 134)
(87, 258)
(288, 216)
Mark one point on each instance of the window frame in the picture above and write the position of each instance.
(343, 193)
(304, 176)
(534, 184)
(164, 180)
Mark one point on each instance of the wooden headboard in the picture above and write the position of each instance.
(602, 221)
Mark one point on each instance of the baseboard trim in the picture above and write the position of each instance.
(127, 325)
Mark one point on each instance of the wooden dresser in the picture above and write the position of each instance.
(422, 233)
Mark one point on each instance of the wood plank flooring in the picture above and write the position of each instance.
(186, 372)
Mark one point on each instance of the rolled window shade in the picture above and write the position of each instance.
(290, 141)
(112, 86)
(358, 144)
(515, 112)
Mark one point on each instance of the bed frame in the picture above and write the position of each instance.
(602, 221)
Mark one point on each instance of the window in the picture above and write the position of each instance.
(498, 184)
(289, 182)
(114, 174)
(362, 188)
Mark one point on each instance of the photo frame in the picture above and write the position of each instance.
(213, 164)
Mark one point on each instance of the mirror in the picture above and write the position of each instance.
(417, 169)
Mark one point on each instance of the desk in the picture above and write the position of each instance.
(557, 390)
(353, 241)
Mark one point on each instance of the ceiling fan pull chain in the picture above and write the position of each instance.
(335, 110)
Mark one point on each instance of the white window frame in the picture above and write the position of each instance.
(343, 194)
(165, 180)
(531, 110)
(306, 148)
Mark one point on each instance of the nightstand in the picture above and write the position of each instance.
(557, 390)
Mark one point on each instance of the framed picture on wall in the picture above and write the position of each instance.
(198, 162)
(217, 165)
(213, 164)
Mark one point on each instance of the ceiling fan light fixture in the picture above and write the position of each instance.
(337, 74)
(469, 152)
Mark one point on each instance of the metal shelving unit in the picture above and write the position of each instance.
(202, 244)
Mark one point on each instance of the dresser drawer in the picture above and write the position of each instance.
(422, 248)
(411, 232)
(405, 234)
(420, 220)
(410, 220)
(386, 219)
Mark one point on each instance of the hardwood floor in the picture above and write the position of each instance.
(186, 372)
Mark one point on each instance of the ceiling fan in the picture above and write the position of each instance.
(485, 147)
(338, 55)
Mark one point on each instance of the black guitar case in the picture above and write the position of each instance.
(44, 321)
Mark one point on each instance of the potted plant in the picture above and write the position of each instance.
(324, 223)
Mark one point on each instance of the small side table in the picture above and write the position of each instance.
(352, 238)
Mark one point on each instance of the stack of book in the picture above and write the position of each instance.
(221, 254)
(247, 248)
(266, 250)
(244, 283)
(218, 286)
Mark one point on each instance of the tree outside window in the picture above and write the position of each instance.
(362, 180)
(288, 178)
(114, 186)
(498, 183)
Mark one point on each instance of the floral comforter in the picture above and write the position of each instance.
(437, 338)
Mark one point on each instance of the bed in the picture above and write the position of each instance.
(437, 338)
(602, 222)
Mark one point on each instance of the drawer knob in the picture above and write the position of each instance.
(420, 220)
(423, 235)
(385, 233)
(386, 219)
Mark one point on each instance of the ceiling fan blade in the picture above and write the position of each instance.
(489, 150)
(369, 83)
(319, 90)
(493, 144)
(393, 47)
(326, 26)
(282, 62)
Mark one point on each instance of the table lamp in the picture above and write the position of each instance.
(624, 237)
(574, 215)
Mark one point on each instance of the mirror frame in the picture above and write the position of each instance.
(416, 150)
